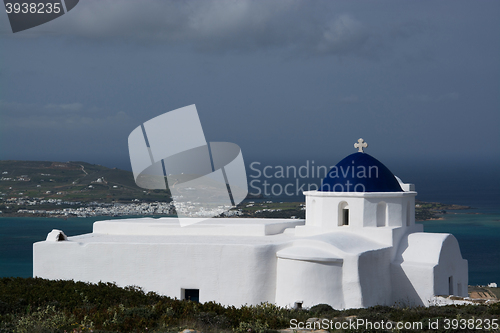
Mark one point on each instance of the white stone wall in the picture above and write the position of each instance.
(375, 277)
(309, 282)
(324, 213)
(423, 265)
(451, 264)
(233, 274)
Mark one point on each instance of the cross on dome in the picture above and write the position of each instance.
(360, 145)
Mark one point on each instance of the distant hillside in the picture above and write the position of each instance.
(72, 181)
(57, 185)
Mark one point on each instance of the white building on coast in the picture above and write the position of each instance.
(358, 246)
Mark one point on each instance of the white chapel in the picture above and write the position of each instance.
(358, 246)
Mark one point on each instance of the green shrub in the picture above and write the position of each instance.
(44, 320)
(323, 310)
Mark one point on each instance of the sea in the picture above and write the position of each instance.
(477, 229)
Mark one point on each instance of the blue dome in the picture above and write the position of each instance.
(360, 172)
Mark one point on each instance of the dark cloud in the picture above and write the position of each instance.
(279, 78)
(320, 28)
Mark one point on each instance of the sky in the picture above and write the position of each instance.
(284, 80)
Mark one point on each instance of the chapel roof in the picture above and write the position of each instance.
(360, 172)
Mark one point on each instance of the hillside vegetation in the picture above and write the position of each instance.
(72, 181)
(38, 305)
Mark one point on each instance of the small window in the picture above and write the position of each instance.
(450, 285)
(191, 295)
(343, 218)
(381, 214)
(345, 213)
(408, 214)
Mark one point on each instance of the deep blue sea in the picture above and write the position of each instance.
(477, 229)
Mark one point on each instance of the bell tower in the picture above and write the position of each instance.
(359, 193)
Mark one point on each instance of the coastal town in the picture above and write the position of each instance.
(101, 209)
(92, 209)
(50, 207)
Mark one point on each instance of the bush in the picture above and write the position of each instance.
(43, 320)
(321, 309)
